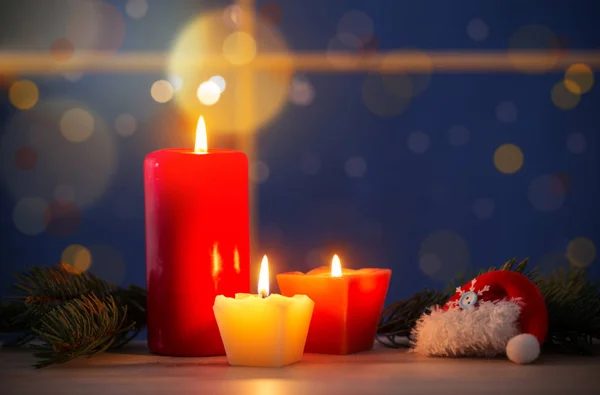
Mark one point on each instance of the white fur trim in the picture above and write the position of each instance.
(483, 330)
(523, 348)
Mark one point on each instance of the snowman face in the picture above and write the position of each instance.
(467, 300)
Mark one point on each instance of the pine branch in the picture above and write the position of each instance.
(42, 289)
(81, 327)
(72, 314)
(573, 304)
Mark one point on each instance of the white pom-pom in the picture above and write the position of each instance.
(523, 348)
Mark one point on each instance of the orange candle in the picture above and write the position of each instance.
(348, 305)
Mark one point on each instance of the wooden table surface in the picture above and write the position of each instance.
(134, 371)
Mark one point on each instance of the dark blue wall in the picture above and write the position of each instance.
(431, 201)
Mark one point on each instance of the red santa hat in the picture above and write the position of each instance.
(498, 312)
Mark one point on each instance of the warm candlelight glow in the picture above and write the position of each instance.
(263, 278)
(336, 267)
(201, 143)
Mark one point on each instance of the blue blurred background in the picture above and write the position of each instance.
(468, 170)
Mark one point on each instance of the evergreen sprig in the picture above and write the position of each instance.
(80, 327)
(72, 314)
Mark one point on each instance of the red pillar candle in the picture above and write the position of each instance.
(348, 305)
(197, 244)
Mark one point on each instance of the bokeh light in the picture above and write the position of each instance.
(77, 125)
(76, 258)
(125, 125)
(477, 29)
(23, 94)
(25, 158)
(259, 172)
(508, 158)
(418, 142)
(564, 98)
(207, 38)
(302, 92)
(443, 255)
(136, 9)
(209, 93)
(86, 166)
(506, 112)
(536, 38)
(576, 143)
(220, 81)
(63, 218)
(176, 82)
(355, 167)
(354, 25)
(29, 215)
(62, 50)
(108, 263)
(484, 208)
(386, 99)
(232, 15)
(161, 91)
(458, 135)
(73, 77)
(579, 78)
(547, 193)
(239, 48)
(581, 252)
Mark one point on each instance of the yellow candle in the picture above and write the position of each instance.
(263, 330)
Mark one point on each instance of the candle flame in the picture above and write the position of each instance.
(336, 267)
(201, 143)
(263, 278)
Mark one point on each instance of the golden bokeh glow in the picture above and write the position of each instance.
(220, 81)
(23, 94)
(76, 258)
(162, 91)
(209, 93)
(579, 78)
(201, 144)
(508, 158)
(263, 278)
(239, 48)
(581, 252)
(208, 39)
(336, 267)
(77, 125)
(563, 97)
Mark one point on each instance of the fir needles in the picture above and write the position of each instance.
(71, 314)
